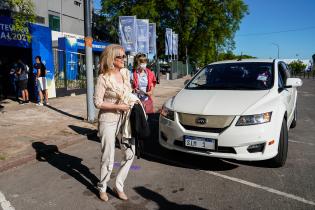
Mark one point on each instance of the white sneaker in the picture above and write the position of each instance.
(39, 104)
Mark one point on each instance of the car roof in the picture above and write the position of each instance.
(255, 60)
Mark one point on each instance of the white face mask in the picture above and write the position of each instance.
(143, 65)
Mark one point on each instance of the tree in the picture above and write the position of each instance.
(297, 66)
(205, 27)
(21, 11)
(230, 56)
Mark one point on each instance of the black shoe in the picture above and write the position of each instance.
(26, 102)
(21, 102)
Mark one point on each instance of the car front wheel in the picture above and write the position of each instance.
(280, 158)
(293, 124)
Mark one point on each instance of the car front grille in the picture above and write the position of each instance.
(202, 129)
(205, 123)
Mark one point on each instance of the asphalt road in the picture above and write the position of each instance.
(164, 179)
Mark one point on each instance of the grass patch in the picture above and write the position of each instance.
(2, 157)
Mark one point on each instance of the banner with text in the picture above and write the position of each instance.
(168, 41)
(9, 36)
(143, 36)
(175, 44)
(152, 40)
(128, 33)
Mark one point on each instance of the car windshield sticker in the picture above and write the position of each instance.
(262, 77)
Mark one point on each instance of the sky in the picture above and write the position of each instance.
(293, 24)
(287, 24)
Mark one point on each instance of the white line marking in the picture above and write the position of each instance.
(300, 142)
(6, 205)
(268, 189)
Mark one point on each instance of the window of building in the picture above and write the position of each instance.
(77, 3)
(40, 19)
(54, 22)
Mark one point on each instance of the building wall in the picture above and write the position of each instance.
(41, 8)
(72, 18)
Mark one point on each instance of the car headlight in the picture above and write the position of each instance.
(254, 119)
(167, 113)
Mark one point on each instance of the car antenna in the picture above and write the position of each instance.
(240, 58)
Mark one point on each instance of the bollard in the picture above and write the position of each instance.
(167, 76)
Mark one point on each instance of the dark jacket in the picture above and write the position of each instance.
(139, 126)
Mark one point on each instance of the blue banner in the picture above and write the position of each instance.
(175, 44)
(143, 36)
(69, 47)
(152, 39)
(128, 33)
(168, 41)
(96, 45)
(42, 46)
(10, 37)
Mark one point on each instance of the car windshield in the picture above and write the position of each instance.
(234, 76)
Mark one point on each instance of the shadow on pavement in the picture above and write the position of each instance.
(67, 163)
(65, 113)
(90, 133)
(162, 202)
(154, 152)
(258, 164)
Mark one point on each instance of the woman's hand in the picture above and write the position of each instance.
(123, 107)
(149, 93)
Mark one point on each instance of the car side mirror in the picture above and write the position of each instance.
(293, 82)
(186, 81)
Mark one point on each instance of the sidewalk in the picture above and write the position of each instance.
(62, 123)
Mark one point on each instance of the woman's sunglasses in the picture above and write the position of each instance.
(121, 57)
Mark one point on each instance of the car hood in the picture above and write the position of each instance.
(216, 102)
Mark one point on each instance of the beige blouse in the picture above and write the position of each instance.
(108, 90)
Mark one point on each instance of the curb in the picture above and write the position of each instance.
(15, 162)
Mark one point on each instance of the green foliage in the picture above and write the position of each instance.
(205, 27)
(230, 56)
(297, 66)
(23, 12)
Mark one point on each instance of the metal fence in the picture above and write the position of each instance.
(179, 69)
(70, 73)
(304, 75)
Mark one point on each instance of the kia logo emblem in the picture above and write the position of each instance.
(201, 120)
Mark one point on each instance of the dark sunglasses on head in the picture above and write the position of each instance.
(121, 56)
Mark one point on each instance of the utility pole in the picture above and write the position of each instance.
(277, 47)
(88, 59)
(186, 61)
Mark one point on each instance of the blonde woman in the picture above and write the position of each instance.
(113, 85)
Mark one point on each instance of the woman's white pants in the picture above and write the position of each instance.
(107, 131)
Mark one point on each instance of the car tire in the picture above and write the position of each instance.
(280, 158)
(293, 124)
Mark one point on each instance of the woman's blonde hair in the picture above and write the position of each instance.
(108, 56)
(139, 58)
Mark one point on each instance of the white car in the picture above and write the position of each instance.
(233, 109)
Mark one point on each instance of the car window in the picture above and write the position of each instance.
(280, 80)
(287, 70)
(234, 76)
(282, 71)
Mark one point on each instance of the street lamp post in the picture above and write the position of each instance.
(277, 47)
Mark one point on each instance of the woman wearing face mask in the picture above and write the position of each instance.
(144, 82)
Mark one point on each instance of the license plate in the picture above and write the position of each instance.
(199, 142)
